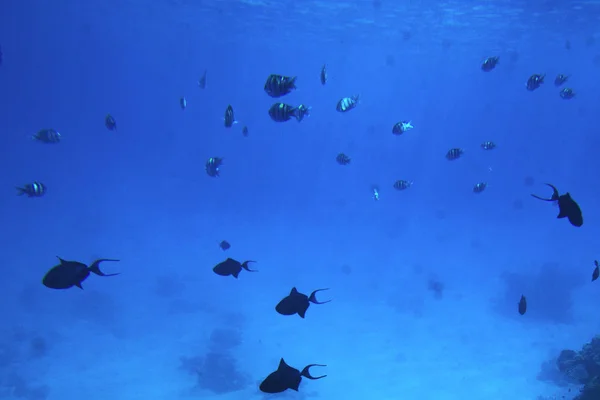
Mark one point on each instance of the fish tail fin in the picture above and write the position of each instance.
(245, 266)
(293, 82)
(95, 267)
(313, 298)
(306, 372)
(20, 191)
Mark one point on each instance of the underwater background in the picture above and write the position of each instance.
(424, 282)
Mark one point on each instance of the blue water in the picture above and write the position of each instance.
(140, 194)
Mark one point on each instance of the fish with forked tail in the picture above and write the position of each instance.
(566, 205)
(232, 267)
(286, 377)
(72, 273)
(297, 303)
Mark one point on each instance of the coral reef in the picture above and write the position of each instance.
(583, 367)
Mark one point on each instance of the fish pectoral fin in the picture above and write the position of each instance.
(78, 284)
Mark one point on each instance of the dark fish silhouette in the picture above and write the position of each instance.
(72, 273)
(596, 272)
(566, 205)
(224, 245)
(522, 305)
(287, 377)
(232, 267)
(297, 303)
(202, 81)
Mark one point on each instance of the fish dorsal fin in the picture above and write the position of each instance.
(62, 262)
(283, 366)
(293, 292)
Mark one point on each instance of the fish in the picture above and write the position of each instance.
(400, 127)
(202, 81)
(560, 79)
(347, 103)
(324, 74)
(596, 272)
(489, 63)
(245, 131)
(566, 205)
(297, 303)
(454, 154)
(342, 159)
(224, 245)
(279, 85)
(567, 93)
(535, 81)
(479, 187)
(67, 274)
(375, 191)
(286, 377)
(402, 184)
(47, 136)
(232, 267)
(213, 166)
(35, 189)
(229, 118)
(488, 145)
(522, 305)
(110, 122)
(281, 112)
(182, 103)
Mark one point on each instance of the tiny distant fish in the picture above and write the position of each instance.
(47, 136)
(182, 103)
(35, 189)
(375, 191)
(560, 79)
(286, 377)
(232, 267)
(245, 131)
(224, 245)
(342, 159)
(212, 166)
(489, 64)
(229, 118)
(402, 184)
(324, 74)
(347, 103)
(72, 273)
(522, 305)
(202, 81)
(297, 303)
(454, 154)
(401, 127)
(279, 85)
(479, 187)
(567, 93)
(535, 81)
(110, 123)
(488, 145)
(596, 272)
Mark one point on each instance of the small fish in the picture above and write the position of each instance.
(402, 184)
(212, 166)
(566, 205)
(342, 159)
(488, 145)
(479, 187)
(47, 136)
(281, 112)
(522, 305)
(535, 81)
(401, 127)
(245, 131)
(347, 103)
(224, 245)
(286, 377)
(202, 81)
(375, 191)
(110, 122)
(560, 79)
(489, 64)
(232, 267)
(567, 93)
(182, 103)
(324, 74)
(229, 118)
(279, 85)
(72, 273)
(454, 154)
(297, 303)
(596, 272)
(35, 189)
